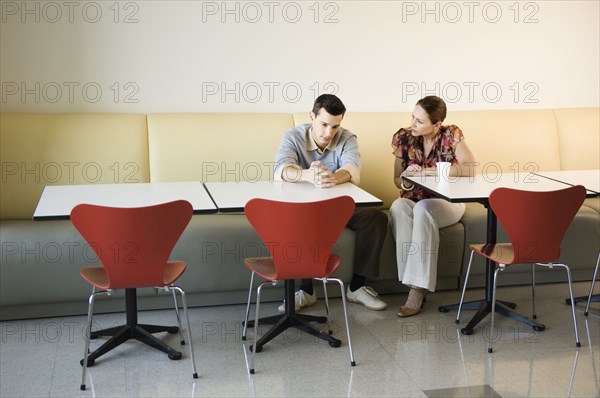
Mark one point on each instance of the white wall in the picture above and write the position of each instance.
(165, 56)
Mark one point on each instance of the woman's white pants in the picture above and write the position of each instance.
(415, 227)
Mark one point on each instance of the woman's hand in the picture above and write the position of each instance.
(412, 170)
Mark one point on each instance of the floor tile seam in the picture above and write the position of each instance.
(550, 379)
(575, 362)
(393, 358)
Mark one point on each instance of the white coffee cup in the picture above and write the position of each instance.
(443, 171)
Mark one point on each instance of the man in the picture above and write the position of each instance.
(325, 154)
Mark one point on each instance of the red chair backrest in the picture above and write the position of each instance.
(536, 222)
(133, 244)
(300, 236)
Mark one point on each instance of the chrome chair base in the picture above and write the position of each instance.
(291, 319)
(504, 310)
(133, 330)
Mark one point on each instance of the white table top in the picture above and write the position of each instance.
(479, 187)
(590, 179)
(233, 196)
(57, 201)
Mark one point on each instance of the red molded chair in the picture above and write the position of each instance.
(535, 223)
(133, 245)
(300, 238)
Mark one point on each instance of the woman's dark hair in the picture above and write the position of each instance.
(435, 108)
(332, 104)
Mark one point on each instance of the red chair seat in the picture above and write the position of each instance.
(173, 270)
(265, 267)
(502, 253)
(95, 276)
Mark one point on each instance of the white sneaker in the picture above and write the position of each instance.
(301, 300)
(367, 297)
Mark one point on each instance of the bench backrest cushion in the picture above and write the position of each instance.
(211, 147)
(59, 149)
(579, 138)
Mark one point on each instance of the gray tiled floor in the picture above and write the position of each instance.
(422, 356)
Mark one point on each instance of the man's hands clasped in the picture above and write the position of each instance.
(323, 178)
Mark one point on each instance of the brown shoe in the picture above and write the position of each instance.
(416, 298)
(406, 312)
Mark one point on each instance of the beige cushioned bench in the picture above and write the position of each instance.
(39, 269)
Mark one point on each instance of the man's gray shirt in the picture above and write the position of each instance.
(297, 148)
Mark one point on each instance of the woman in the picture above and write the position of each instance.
(417, 215)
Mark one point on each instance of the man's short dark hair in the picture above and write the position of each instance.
(332, 105)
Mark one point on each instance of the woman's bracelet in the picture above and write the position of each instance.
(404, 186)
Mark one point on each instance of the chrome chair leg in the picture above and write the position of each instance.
(491, 338)
(87, 335)
(587, 307)
(462, 296)
(577, 342)
(339, 281)
(253, 359)
(181, 339)
(189, 330)
(245, 330)
(324, 280)
(533, 290)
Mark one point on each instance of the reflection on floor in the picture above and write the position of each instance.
(421, 356)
